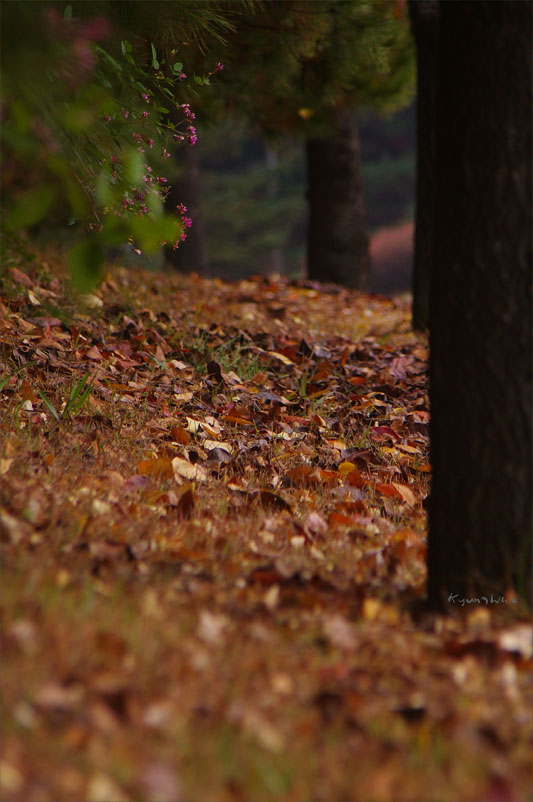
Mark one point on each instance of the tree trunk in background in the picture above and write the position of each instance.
(337, 243)
(424, 21)
(480, 305)
(190, 255)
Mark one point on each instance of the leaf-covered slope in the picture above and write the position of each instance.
(214, 554)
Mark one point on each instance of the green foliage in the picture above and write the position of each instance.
(289, 65)
(86, 127)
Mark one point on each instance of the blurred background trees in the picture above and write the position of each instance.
(295, 75)
(93, 99)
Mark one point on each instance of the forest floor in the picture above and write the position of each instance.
(213, 548)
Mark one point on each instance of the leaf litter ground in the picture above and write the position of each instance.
(213, 545)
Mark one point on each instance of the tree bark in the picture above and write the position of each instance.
(191, 255)
(337, 242)
(480, 304)
(425, 23)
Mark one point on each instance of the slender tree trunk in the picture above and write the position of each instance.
(190, 255)
(424, 21)
(337, 245)
(480, 306)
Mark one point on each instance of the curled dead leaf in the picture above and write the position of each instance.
(186, 470)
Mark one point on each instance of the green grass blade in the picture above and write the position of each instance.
(50, 406)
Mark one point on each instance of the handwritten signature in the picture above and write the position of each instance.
(454, 598)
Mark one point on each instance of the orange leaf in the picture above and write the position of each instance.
(301, 474)
(235, 419)
(160, 468)
(329, 477)
(180, 435)
(354, 478)
(406, 493)
(339, 519)
(388, 490)
(306, 474)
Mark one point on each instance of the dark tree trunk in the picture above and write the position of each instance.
(337, 243)
(191, 254)
(424, 21)
(480, 306)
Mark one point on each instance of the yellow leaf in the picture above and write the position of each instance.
(346, 467)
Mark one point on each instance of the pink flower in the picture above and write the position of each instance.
(96, 29)
(218, 67)
(165, 153)
(187, 222)
(192, 140)
(181, 208)
(145, 97)
(125, 113)
(182, 76)
(186, 109)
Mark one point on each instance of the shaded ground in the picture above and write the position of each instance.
(213, 545)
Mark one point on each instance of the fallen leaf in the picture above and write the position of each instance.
(210, 444)
(346, 467)
(185, 503)
(389, 490)
(180, 435)
(160, 468)
(186, 470)
(406, 493)
(211, 627)
(354, 477)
